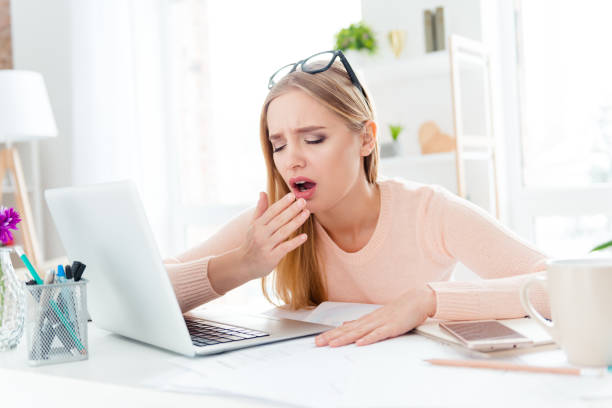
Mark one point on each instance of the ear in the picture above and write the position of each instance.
(368, 138)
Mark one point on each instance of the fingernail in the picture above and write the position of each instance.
(305, 213)
(290, 196)
(301, 202)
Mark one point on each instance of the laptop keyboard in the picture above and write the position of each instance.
(205, 333)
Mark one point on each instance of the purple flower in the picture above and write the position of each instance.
(9, 218)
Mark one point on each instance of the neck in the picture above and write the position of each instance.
(354, 216)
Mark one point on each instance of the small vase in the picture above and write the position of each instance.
(12, 303)
(390, 149)
(396, 39)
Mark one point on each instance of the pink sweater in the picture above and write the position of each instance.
(421, 233)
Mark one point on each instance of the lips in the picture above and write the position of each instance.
(303, 187)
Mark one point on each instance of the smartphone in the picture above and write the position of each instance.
(486, 335)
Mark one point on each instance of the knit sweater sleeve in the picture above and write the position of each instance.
(458, 230)
(188, 271)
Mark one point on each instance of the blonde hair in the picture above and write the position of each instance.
(299, 279)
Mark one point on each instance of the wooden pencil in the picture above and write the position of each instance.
(500, 365)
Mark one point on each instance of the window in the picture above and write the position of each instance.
(567, 92)
(562, 201)
(220, 57)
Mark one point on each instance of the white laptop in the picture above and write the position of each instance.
(129, 291)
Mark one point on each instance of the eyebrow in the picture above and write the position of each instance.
(300, 130)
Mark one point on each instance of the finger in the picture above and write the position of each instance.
(262, 205)
(275, 209)
(361, 326)
(381, 333)
(286, 230)
(322, 339)
(286, 215)
(283, 249)
(351, 335)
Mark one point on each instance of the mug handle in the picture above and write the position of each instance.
(548, 326)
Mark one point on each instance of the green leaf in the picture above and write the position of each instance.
(357, 36)
(602, 246)
(395, 131)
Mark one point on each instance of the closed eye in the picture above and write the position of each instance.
(278, 149)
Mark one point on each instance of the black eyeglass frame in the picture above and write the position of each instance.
(336, 53)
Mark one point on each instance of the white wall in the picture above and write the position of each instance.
(41, 42)
(461, 16)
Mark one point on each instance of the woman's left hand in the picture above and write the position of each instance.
(390, 320)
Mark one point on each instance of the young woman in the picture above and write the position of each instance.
(331, 230)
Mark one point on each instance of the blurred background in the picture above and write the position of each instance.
(506, 103)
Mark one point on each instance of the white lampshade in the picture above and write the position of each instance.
(25, 111)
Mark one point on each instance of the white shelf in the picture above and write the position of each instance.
(390, 68)
(434, 158)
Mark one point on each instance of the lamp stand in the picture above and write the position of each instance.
(9, 160)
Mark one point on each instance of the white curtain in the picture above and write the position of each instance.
(120, 114)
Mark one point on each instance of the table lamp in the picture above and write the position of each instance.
(25, 115)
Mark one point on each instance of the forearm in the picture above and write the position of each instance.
(191, 283)
(486, 299)
(228, 271)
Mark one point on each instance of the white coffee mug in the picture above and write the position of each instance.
(580, 294)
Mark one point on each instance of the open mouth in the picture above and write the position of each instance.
(304, 185)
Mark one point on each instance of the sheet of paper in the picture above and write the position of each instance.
(309, 376)
(329, 313)
(230, 362)
(392, 372)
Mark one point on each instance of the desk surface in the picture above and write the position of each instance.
(386, 373)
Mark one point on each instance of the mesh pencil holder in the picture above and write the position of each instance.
(56, 322)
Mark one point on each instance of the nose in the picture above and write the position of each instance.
(295, 157)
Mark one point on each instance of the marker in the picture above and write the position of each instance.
(78, 272)
(61, 275)
(68, 270)
(28, 265)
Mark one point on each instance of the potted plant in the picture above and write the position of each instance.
(356, 40)
(394, 148)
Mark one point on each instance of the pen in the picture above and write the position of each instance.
(42, 343)
(66, 324)
(69, 298)
(65, 302)
(28, 265)
(501, 365)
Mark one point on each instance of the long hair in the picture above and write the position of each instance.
(299, 279)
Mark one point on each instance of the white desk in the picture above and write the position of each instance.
(120, 370)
